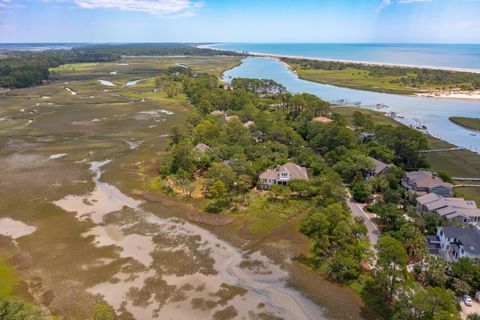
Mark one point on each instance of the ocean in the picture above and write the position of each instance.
(457, 56)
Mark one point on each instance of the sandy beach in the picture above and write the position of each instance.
(446, 94)
(369, 63)
(452, 94)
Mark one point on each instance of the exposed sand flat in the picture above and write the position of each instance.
(15, 228)
(132, 145)
(133, 246)
(115, 293)
(135, 82)
(71, 91)
(194, 256)
(57, 156)
(453, 94)
(103, 199)
(156, 113)
(106, 83)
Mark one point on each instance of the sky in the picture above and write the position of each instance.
(379, 21)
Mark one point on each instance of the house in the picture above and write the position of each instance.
(454, 243)
(451, 209)
(230, 118)
(379, 168)
(248, 124)
(202, 148)
(217, 113)
(322, 119)
(422, 182)
(282, 175)
(366, 137)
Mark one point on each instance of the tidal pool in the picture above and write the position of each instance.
(147, 240)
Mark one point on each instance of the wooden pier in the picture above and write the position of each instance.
(347, 103)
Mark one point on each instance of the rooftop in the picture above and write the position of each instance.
(322, 119)
(295, 171)
(379, 166)
(468, 237)
(426, 179)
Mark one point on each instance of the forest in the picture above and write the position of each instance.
(21, 69)
(253, 125)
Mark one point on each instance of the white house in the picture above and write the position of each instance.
(282, 175)
(454, 243)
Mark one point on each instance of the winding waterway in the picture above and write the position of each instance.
(433, 112)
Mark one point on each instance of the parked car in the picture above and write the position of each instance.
(468, 300)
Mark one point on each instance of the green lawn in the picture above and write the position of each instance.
(356, 79)
(264, 214)
(470, 123)
(378, 117)
(7, 279)
(361, 79)
(72, 67)
(158, 96)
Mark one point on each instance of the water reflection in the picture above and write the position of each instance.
(433, 112)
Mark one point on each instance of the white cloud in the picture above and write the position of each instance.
(386, 3)
(158, 7)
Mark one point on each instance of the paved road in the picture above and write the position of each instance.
(357, 211)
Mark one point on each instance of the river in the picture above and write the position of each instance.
(433, 112)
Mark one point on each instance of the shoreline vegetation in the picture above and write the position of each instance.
(426, 81)
(217, 152)
(235, 132)
(389, 79)
(125, 124)
(469, 123)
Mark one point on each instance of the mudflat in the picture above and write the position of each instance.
(75, 159)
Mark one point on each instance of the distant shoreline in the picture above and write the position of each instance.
(441, 94)
(368, 63)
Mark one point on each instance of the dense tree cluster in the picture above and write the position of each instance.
(150, 49)
(25, 69)
(280, 129)
(411, 77)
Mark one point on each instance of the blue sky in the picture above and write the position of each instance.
(441, 21)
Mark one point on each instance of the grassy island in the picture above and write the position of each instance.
(469, 123)
(382, 78)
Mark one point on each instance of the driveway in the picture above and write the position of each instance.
(465, 311)
(357, 211)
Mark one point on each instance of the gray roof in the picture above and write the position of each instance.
(426, 179)
(216, 113)
(295, 171)
(379, 166)
(202, 148)
(419, 175)
(428, 198)
(449, 207)
(468, 237)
